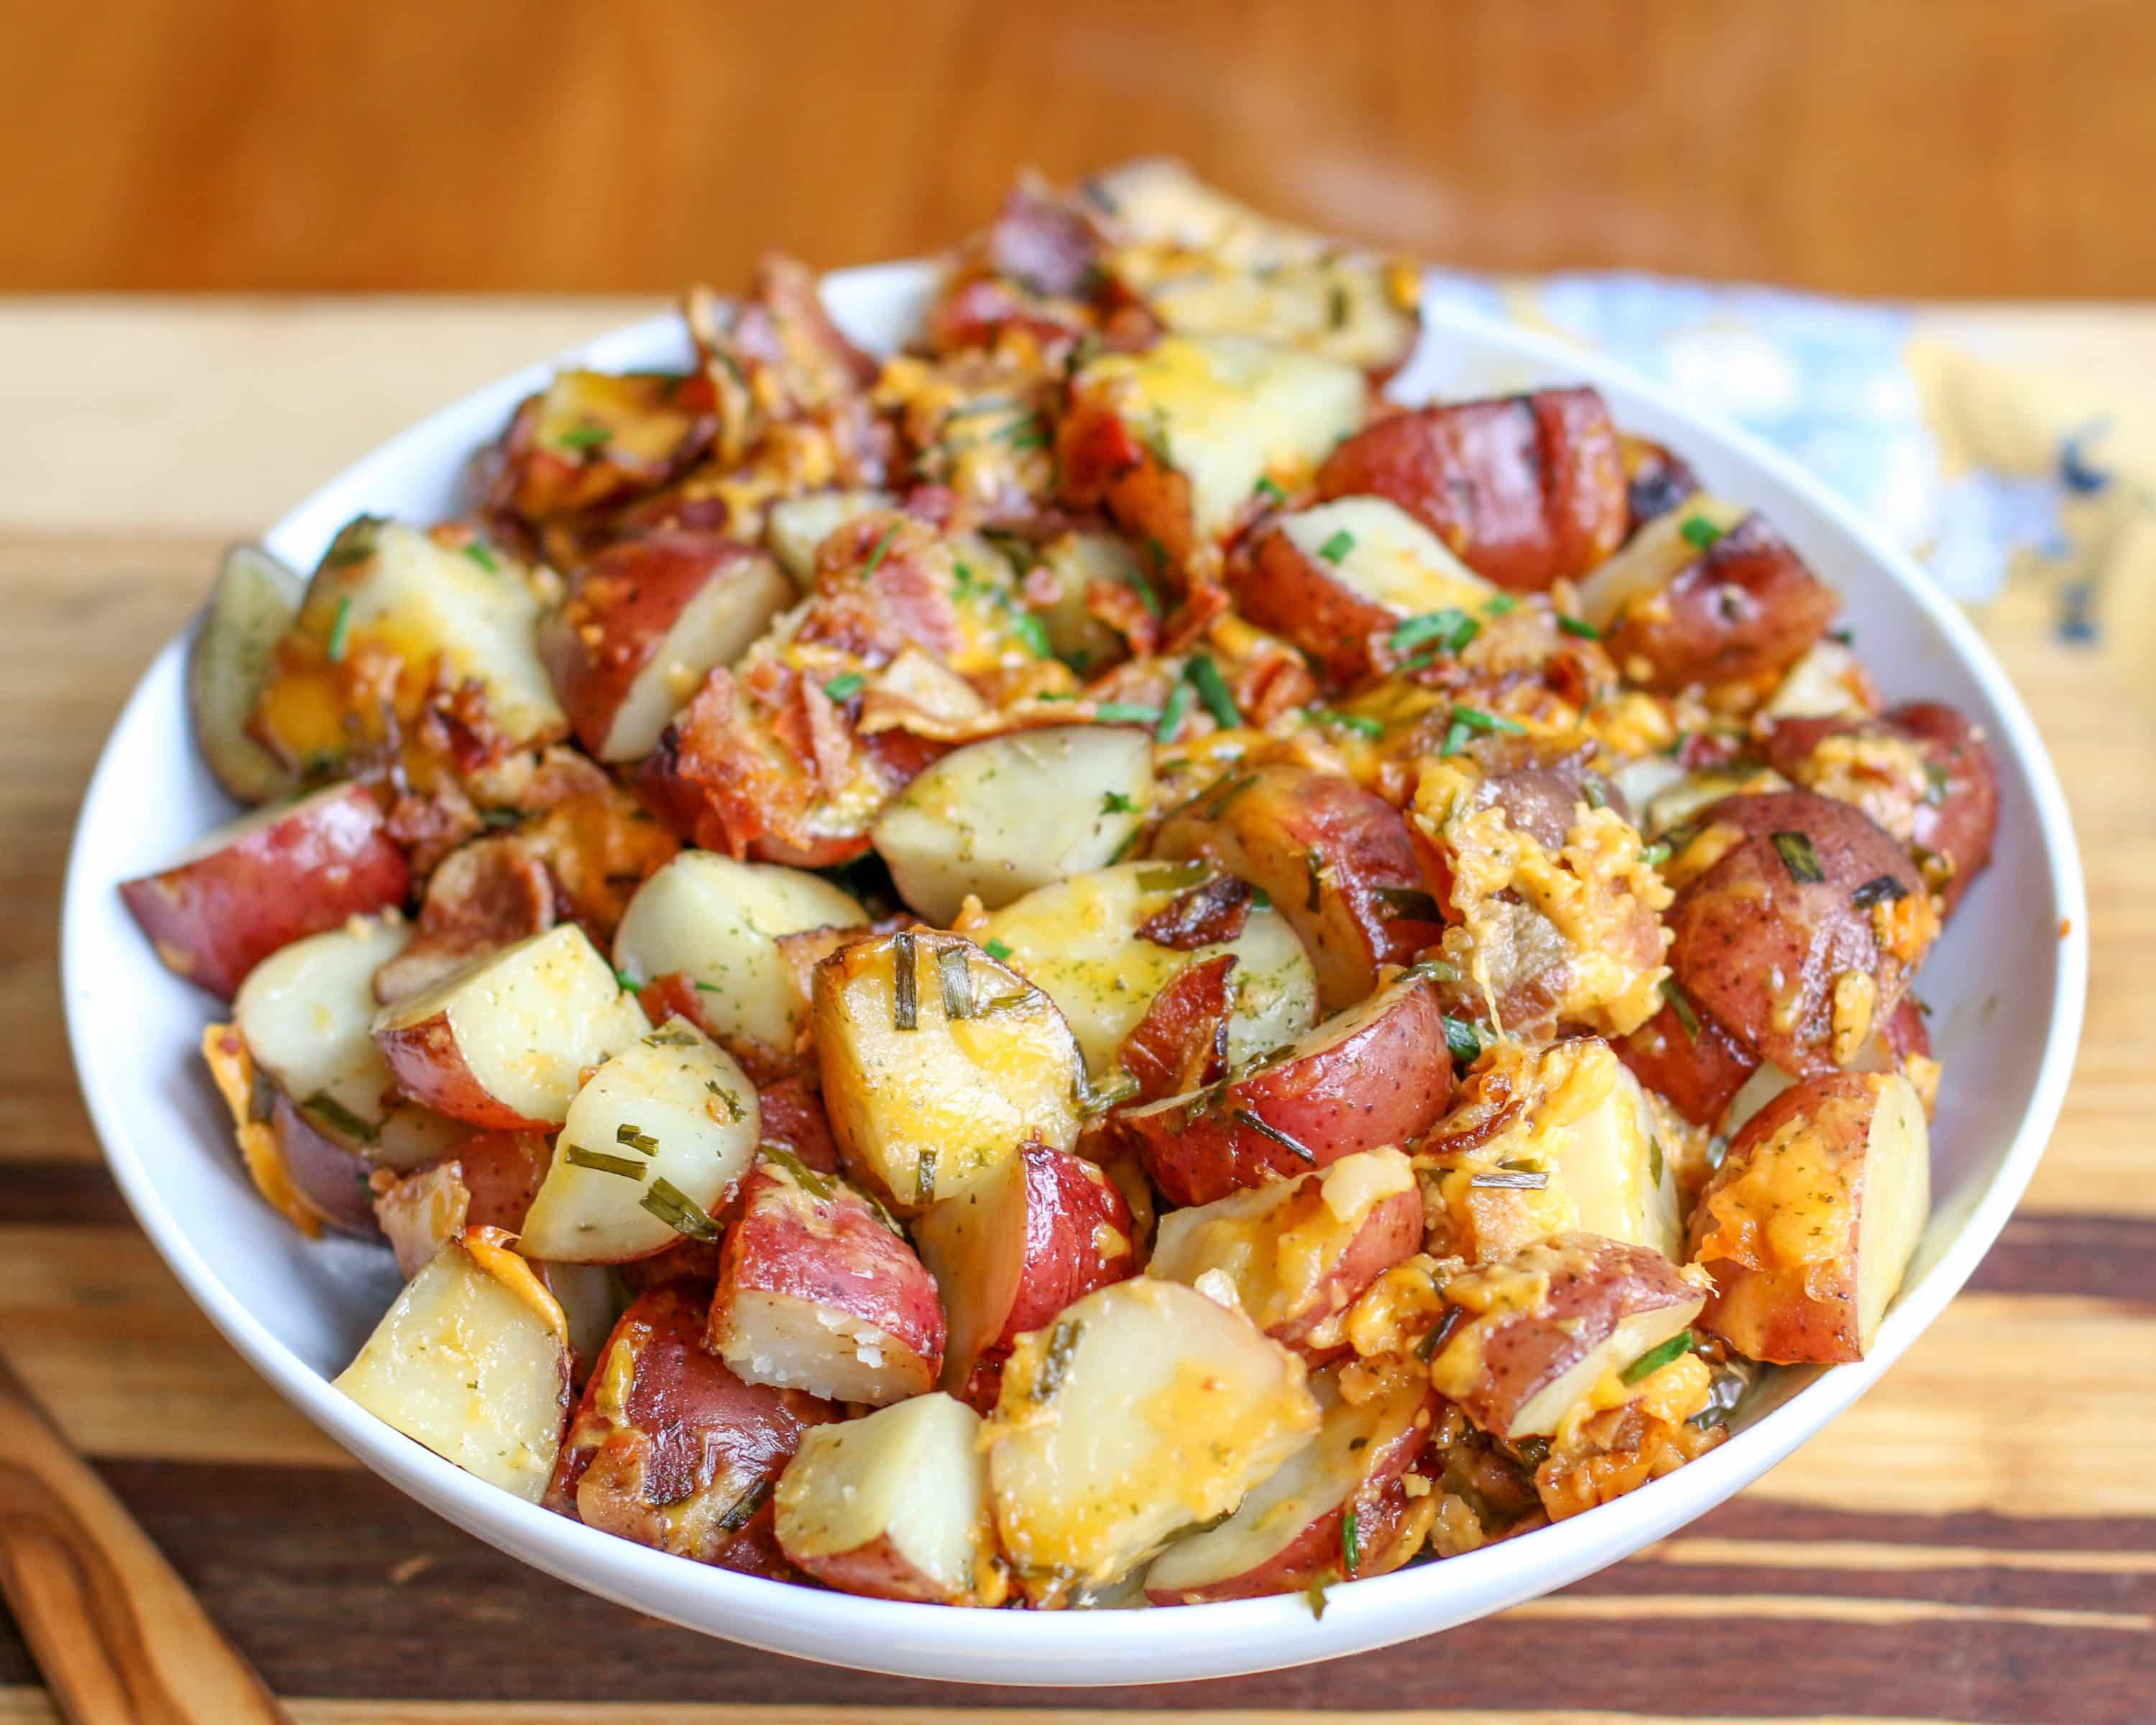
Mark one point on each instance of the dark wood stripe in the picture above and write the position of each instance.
(337, 1586)
(79, 1194)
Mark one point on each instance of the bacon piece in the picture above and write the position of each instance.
(1182, 1042)
(1211, 912)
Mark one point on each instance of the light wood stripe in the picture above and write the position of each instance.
(1823, 1554)
(22, 1707)
(1734, 1607)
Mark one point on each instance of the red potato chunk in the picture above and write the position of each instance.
(643, 624)
(505, 1042)
(893, 1505)
(1161, 1409)
(793, 1119)
(1796, 924)
(591, 438)
(1379, 1073)
(1536, 1332)
(1296, 1253)
(670, 1448)
(1292, 1530)
(937, 1062)
(254, 601)
(1743, 610)
(818, 1293)
(330, 1179)
(271, 878)
(1043, 1229)
(1686, 1057)
(1335, 578)
(1527, 489)
(1335, 860)
(472, 1361)
(1809, 1225)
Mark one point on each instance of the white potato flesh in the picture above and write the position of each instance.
(1646, 563)
(523, 1023)
(999, 818)
(593, 1297)
(1230, 410)
(895, 1505)
(1608, 1173)
(1078, 941)
(795, 527)
(1076, 561)
(1827, 683)
(1391, 559)
(1144, 1410)
(1894, 1203)
(926, 1112)
(469, 1365)
(1345, 308)
(1632, 1338)
(721, 622)
(428, 600)
(254, 602)
(1313, 1486)
(718, 921)
(674, 1090)
(305, 1013)
(1768, 1081)
(1674, 805)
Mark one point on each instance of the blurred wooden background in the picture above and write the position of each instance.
(1916, 147)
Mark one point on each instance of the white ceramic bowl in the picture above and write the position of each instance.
(297, 1310)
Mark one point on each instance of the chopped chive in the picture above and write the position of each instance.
(1579, 626)
(1337, 547)
(500, 816)
(1157, 552)
(1512, 1180)
(1350, 1536)
(1687, 1015)
(845, 685)
(806, 1178)
(1880, 889)
(585, 437)
(1172, 714)
(1359, 723)
(1266, 488)
(1111, 1094)
(340, 1118)
(484, 558)
(679, 1211)
(1144, 588)
(600, 1163)
(1655, 855)
(1157, 441)
(1033, 632)
(1301, 1152)
(623, 980)
(958, 978)
(1055, 1358)
(732, 1101)
(1441, 1332)
(1935, 783)
(1126, 712)
(1502, 605)
(1213, 690)
(1468, 721)
(905, 1001)
(340, 631)
(1116, 802)
(1699, 533)
(1449, 629)
(1655, 1359)
(1800, 858)
(1314, 1594)
(636, 1139)
(998, 950)
(1590, 787)
(924, 1177)
(1462, 1041)
(1435, 970)
(1409, 904)
(876, 556)
(744, 1508)
(1171, 877)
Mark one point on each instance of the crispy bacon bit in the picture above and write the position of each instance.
(1182, 1042)
(1118, 604)
(483, 897)
(1211, 912)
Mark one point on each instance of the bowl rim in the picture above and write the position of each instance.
(1098, 1648)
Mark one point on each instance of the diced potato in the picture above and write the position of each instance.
(999, 818)
(1142, 1410)
(1651, 558)
(505, 1042)
(894, 1505)
(794, 526)
(718, 921)
(1828, 682)
(1075, 563)
(253, 603)
(1079, 939)
(472, 1361)
(937, 1062)
(672, 1107)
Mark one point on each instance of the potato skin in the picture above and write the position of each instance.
(689, 1430)
(794, 1120)
(1745, 610)
(1695, 1067)
(273, 880)
(1336, 859)
(1077, 1238)
(1746, 921)
(1278, 587)
(331, 1178)
(1526, 489)
(1379, 1074)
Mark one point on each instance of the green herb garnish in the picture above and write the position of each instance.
(1031, 631)
(1337, 547)
(1655, 1359)
(1302, 1152)
(1470, 721)
(743, 1508)
(1699, 533)
(1172, 714)
(1055, 1358)
(585, 437)
(1360, 724)
(1116, 802)
(679, 1211)
(1504, 604)
(1579, 626)
(1213, 690)
(998, 950)
(905, 999)
(339, 1118)
(600, 1162)
(1126, 712)
(340, 631)
(1880, 889)
(1462, 1041)
(1449, 629)
(1680, 1002)
(845, 685)
(1171, 877)
(1800, 858)
(1350, 1536)
(1266, 488)
(876, 556)
(636, 1139)
(484, 558)
(958, 980)
(1936, 782)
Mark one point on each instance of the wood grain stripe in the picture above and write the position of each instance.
(1977, 1643)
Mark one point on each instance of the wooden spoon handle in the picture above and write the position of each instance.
(119, 1637)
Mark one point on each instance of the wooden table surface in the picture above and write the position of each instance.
(1975, 1540)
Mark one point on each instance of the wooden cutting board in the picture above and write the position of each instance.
(1975, 1540)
